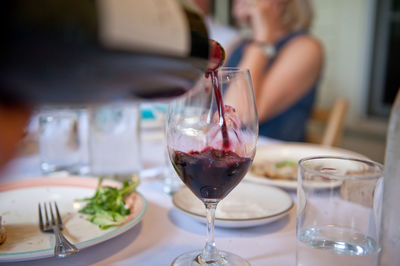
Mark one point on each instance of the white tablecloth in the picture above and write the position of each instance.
(164, 233)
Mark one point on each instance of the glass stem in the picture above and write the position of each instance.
(210, 253)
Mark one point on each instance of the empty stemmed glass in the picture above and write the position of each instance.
(211, 138)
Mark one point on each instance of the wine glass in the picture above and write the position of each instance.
(211, 139)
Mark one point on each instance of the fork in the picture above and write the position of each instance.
(62, 247)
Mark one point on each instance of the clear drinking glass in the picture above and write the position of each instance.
(114, 143)
(340, 224)
(62, 141)
(153, 130)
(211, 154)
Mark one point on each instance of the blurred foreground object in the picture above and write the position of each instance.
(71, 51)
(391, 195)
(3, 232)
(13, 120)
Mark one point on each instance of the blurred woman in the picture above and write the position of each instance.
(285, 62)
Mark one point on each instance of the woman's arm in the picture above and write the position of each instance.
(294, 71)
(292, 75)
(255, 60)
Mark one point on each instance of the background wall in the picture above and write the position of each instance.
(346, 30)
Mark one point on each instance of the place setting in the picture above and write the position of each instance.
(277, 164)
(25, 236)
(247, 205)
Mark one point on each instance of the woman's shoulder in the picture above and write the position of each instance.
(304, 46)
(305, 43)
(303, 52)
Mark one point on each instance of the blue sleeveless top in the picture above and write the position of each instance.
(290, 125)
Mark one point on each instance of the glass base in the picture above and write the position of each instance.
(193, 258)
(73, 169)
(172, 183)
(133, 177)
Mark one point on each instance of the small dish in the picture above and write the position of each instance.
(247, 205)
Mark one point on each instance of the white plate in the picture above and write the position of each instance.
(247, 205)
(294, 152)
(18, 207)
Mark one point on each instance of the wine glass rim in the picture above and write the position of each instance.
(232, 69)
(377, 166)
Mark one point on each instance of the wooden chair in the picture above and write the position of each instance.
(326, 125)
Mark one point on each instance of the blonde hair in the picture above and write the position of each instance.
(297, 15)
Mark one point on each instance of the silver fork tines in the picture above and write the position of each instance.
(62, 247)
(59, 221)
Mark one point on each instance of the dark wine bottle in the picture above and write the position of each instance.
(78, 51)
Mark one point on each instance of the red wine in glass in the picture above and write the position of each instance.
(210, 173)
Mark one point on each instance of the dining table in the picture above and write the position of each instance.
(164, 231)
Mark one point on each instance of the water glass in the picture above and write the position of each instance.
(114, 141)
(62, 142)
(338, 211)
(153, 131)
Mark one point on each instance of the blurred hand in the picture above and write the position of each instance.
(13, 121)
(263, 16)
(241, 12)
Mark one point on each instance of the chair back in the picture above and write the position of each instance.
(332, 122)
